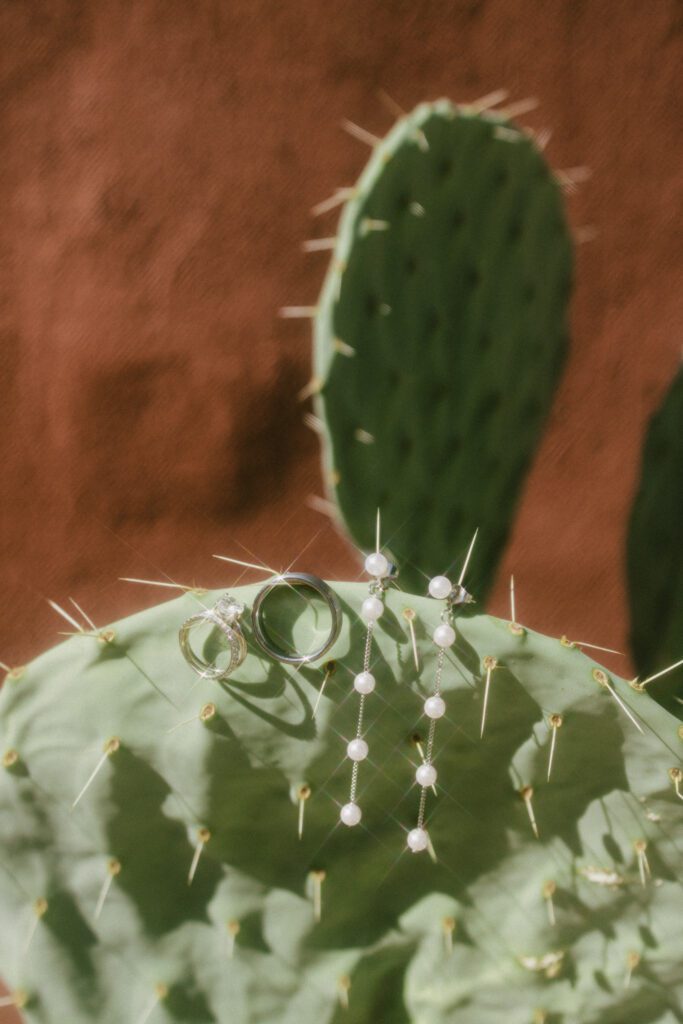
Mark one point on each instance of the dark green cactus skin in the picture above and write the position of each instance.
(655, 552)
(385, 911)
(457, 313)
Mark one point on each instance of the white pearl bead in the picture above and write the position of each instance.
(418, 840)
(376, 565)
(435, 707)
(364, 682)
(357, 750)
(426, 775)
(440, 587)
(371, 609)
(350, 814)
(444, 635)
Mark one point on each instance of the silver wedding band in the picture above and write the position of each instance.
(303, 580)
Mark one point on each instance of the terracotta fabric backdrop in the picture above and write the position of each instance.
(159, 161)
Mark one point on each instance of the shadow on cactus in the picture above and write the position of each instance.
(554, 886)
(440, 335)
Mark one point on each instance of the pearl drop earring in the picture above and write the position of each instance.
(382, 572)
(441, 588)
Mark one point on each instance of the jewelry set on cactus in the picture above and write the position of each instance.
(227, 614)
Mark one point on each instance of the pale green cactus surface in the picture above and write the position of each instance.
(578, 925)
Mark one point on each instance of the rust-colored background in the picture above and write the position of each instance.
(159, 161)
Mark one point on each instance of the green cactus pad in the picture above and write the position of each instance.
(469, 939)
(655, 553)
(440, 336)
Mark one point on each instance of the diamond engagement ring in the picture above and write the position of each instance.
(225, 616)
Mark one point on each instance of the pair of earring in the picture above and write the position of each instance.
(440, 587)
(227, 613)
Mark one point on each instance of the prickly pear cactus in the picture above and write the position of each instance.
(655, 553)
(440, 335)
(553, 893)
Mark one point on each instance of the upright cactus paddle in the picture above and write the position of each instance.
(171, 851)
(440, 335)
(655, 554)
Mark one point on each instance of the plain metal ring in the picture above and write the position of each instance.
(225, 614)
(296, 579)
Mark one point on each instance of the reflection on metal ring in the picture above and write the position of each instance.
(296, 579)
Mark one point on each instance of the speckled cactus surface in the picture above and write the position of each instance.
(655, 552)
(580, 923)
(440, 335)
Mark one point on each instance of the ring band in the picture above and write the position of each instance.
(296, 579)
(225, 614)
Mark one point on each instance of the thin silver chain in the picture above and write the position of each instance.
(361, 709)
(447, 617)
